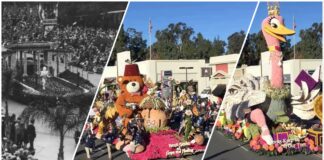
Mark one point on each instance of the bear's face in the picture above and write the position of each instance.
(130, 84)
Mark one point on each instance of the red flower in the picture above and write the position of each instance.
(238, 135)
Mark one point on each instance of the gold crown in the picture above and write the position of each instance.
(273, 9)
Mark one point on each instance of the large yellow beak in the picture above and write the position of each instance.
(279, 32)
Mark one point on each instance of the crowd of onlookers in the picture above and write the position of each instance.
(17, 139)
(90, 45)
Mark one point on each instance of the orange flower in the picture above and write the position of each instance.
(253, 143)
(257, 147)
(265, 147)
(218, 124)
(311, 147)
(271, 148)
(311, 142)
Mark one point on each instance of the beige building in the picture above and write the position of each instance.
(221, 69)
(291, 69)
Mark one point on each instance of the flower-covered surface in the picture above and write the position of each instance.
(158, 127)
(289, 139)
(164, 144)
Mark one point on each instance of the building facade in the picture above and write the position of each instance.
(221, 68)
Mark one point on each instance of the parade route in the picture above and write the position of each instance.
(46, 142)
(222, 148)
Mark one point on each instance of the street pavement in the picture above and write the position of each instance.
(222, 148)
(100, 153)
(47, 142)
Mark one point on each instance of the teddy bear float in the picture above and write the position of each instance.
(131, 85)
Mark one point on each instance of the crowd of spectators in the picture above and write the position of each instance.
(90, 46)
(18, 139)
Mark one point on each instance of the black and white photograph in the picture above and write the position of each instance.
(53, 55)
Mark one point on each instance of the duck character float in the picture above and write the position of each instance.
(274, 30)
(131, 85)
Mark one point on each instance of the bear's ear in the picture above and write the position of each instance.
(120, 79)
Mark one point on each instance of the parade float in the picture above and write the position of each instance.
(264, 114)
(149, 125)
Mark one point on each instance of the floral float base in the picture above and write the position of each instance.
(159, 146)
(282, 146)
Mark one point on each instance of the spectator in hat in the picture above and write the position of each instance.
(31, 132)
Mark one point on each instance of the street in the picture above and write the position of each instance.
(100, 153)
(46, 142)
(222, 148)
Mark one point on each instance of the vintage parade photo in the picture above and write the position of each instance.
(53, 55)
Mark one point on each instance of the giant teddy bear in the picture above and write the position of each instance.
(131, 85)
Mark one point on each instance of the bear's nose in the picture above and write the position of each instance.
(133, 84)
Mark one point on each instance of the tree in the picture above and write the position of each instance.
(203, 47)
(218, 47)
(235, 42)
(121, 41)
(174, 42)
(62, 117)
(131, 40)
(255, 44)
(310, 45)
(136, 44)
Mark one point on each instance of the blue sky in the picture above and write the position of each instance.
(212, 19)
(306, 13)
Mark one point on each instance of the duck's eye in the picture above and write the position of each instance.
(274, 23)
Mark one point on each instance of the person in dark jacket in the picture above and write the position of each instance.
(77, 134)
(12, 132)
(90, 143)
(31, 134)
(111, 133)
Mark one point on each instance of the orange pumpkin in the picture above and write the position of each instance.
(154, 118)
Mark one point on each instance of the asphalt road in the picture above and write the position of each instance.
(222, 148)
(100, 153)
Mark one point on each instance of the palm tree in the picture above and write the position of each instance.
(62, 117)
